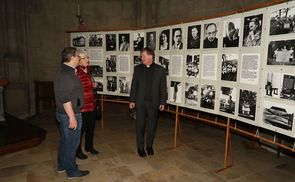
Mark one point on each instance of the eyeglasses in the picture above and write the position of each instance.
(84, 57)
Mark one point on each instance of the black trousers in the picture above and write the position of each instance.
(88, 125)
(146, 120)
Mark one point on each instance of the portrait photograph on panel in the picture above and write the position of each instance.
(282, 21)
(249, 73)
(138, 41)
(176, 65)
(111, 63)
(136, 60)
(164, 61)
(229, 67)
(211, 35)
(273, 84)
(111, 44)
(96, 71)
(124, 63)
(175, 92)
(191, 94)
(281, 52)
(164, 38)
(252, 30)
(192, 68)
(288, 88)
(79, 41)
(228, 100)
(151, 40)
(207, 96)
(209, 66)
(112, 83)
(177, 39)
(193, 37)
(95, 40)
(231, 32)
(278, 115)
(124, 85)
(98, 84)
(124, 42)
(247, 104)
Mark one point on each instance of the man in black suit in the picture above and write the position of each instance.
(148, 94)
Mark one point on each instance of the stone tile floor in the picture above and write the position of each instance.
(199, 154)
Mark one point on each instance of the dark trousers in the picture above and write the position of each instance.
(88, 125)
(146, 117)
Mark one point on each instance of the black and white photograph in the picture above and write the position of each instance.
(252, 30)
(79, 41)
(151, 40)
(273, 84)
(177, 42)
(164, 61)
(278, 115)
(124, 42)
(136, 60)
(176, 65)
(96, 71)
(95, 40)
(228, 99)
(193, 37)
(192, 68)
(98, 85)
(229, 67)
(175, 92)
(282, 21)
(112, 83)
(124, 85)
(124, 63)
(249, 73)
(209, 66)
(191, 94)
(111, 63)
(247, 104)
(208, 96)
(211, 35)
(138, 41)
(164, 38)
(231, 32)
(288, 89)
(111, 42)
(281, 52)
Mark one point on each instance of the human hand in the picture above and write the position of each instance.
(131, 105)
(73, 123)
(161, 107)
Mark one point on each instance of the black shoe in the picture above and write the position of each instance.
(141, 153)
(82, 156)
(79, 174)
(93, 151)
(150, 151)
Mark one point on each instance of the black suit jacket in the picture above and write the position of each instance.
(159, 86)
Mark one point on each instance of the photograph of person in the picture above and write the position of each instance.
(211, 39)
(282, 21)
(177, 39)
(164, 40)
(111, 83)
(273, 84)
(111, 42)
(227, 100)
(96, 71)
(192, 66)
(191, 94)
(288, 87)
(247, 104)
(175, 91)
(124, 85)
(164, 61)
(281, 52)
(124, 42)
(208, 96)
(193, 34)
(138, 41)
(231, 33)
(229, 67)
(252, 30)
(95, 40)
(151, 40)
(111, 63)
